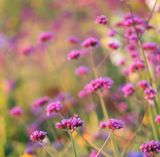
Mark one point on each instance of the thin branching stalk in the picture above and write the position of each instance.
(99, 152)
(93, 146)
(50, 154)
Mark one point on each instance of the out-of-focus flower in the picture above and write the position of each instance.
(45, 36)
(113, 124)
(28, 50)
(102, 20)
(137, 65)
(74, 40)
(158, 119)
(144, 84)
(150, 93)
(114, 45)
(122, 106)
(53, 107)
(128, 90)
(90, 42)
(82, 70)
(74, 54)
(16, 111)
(70, 124)
(41, 101)
(38, 136)
(150, 46)
(111, 33)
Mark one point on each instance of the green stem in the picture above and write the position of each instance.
(73, 145)
(152, 122)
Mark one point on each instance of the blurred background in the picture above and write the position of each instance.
(30, 69)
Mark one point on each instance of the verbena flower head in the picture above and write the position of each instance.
(137, 65)
(144, 84)
(102, 20)
(82, 70)
(74, 40)
(53, 107)
(90, 42)
(45, 36)
(114, 45)
(158, 119)
(128, 90)
(74, 54)
(70, 123)
(113, 124)
(150, 93)
(16, 111)
(150, 147)
(98, 83)
(38, 136)
(150, 46)
(41, 101)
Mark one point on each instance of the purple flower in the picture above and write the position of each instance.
(143, 84)
(98, 83)
(102, 20)
(112, 124)
(45, 36)
(158, 119)
(137, 65)
(38, 136)
(74, 54)
(82, 70)
(150, 93)
(150, 46)
(53, 107)
(128, 90)
(114, 45)
(73, 40)
(16, 111)
(90, 42)
(150, 147)
(41, 101)
(70, 123)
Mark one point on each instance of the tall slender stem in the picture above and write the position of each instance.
(73, 145)
(152, 122)
(104, 109)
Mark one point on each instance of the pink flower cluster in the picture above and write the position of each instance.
(41, 101)
(96, 84)
(102, 20)
(16, 111)
(70, 123)
(150, 146)
(90, 42)
(53, 107)
(38, 136)
(74, 54)
(128, 90)
(112, 124)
